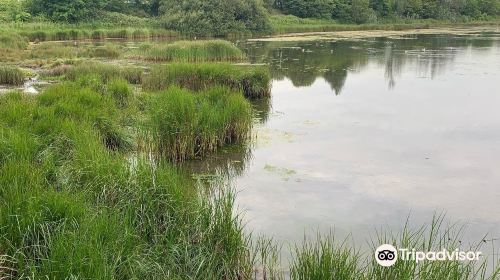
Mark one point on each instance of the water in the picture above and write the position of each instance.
(361, 134)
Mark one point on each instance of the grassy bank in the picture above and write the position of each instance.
(195, 51)
(283, 24)
(80, 201)
(49, 31)
(254, 82)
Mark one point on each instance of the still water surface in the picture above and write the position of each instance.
(361, 134)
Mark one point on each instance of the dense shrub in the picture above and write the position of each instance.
(66, 10)
(214, 17)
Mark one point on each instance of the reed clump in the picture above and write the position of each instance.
(39, 32)
(326, 258)
(184, 125)
(11, 76)
(195, 51)
(106, 72)
(253, 81)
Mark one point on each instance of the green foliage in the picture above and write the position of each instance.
(13, 10)
(309, 8)
(66, 10)
(214, 17)
(363, 11)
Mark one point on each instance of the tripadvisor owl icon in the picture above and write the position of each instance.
(386, 255)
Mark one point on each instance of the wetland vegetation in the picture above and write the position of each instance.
(94, 166)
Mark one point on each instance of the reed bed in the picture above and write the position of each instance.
(285, 24)
(54, 50)
(11, 76)
(253, 81)
(195, 51)
(106, 72)
(12, 47)
(186, 125)
(57, 33)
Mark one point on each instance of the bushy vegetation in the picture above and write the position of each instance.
(43, 20)
(214, 17)
(254, 82)
(11, 76)
(195, 51)
(364, 11)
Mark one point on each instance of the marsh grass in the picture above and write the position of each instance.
(71, 207)
(326, 258)
(58, 50)
(253, 81)
(12, 47)
(39, 32)
(283, 24)
(186, 125)
(11, 76)
(120, 91)
(195, 51)
(106, 72)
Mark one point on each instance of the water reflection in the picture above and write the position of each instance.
(304, 62)
(412, 126)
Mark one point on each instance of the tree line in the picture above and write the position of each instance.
(220, 17)
(363, 11)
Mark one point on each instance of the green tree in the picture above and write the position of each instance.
(381, 7)
(342, 11)
(214, 17)
(490, 7)
(309, 8)
(361, 11)
(66, 10)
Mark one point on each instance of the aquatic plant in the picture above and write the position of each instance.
(195, 51)
(107, 51)
(120, 91)
(253, 81)
(187, 125)
(106, 72)
(11, 76)
(326, 258)
(71, 207)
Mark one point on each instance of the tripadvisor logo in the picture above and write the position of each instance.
(387, 255)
